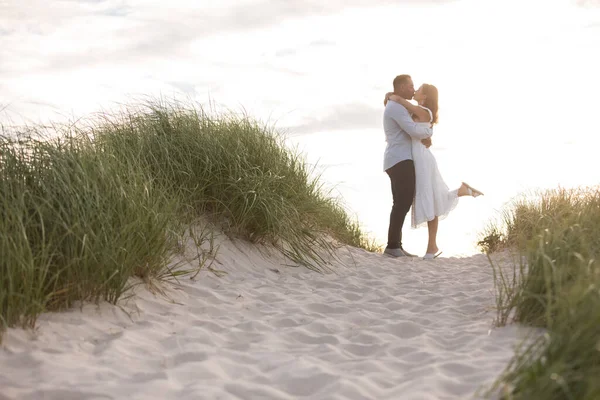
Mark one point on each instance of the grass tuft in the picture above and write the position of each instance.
(85, 208)
(555, 285)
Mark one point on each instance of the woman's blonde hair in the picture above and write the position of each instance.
(431, 100)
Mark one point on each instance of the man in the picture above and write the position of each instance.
(399, 130)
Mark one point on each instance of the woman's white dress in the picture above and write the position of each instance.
(432, 196)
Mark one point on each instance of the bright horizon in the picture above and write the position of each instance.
(518, 83)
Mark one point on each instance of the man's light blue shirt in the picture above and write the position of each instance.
(399, 130)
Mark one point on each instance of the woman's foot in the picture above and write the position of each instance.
(432, 252)
(431, 256)
(466, 190)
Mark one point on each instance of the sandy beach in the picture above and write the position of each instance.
(135, 135)
(375, 328)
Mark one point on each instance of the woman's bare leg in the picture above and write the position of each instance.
(432, 227)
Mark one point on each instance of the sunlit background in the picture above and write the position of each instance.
(518, 81)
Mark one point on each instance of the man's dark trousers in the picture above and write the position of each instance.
(402, 177)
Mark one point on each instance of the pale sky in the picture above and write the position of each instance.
(518, 82)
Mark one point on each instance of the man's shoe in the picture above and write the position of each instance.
(394, 252)
(407, 254)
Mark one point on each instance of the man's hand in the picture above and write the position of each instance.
(426, 142)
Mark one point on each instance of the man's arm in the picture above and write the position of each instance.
(420, 112)
(401, 116)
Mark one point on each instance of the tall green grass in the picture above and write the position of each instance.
(235, 169)
(93, 205)
(556, 286)
(73, 226)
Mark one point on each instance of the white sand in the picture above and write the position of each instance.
(379, 328)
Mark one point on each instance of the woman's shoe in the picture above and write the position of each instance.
(431, 256)
(472, 191)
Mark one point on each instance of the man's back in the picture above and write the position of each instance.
(399, 143)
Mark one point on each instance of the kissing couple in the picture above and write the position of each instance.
(415, 178)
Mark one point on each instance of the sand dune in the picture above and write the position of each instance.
(377, 328)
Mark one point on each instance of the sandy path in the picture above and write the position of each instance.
(379, 329)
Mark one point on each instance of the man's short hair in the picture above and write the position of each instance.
(400, 80)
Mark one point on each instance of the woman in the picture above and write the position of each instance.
(433, 200)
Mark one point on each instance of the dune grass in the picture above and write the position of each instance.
(555, 286)
(83, 211)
